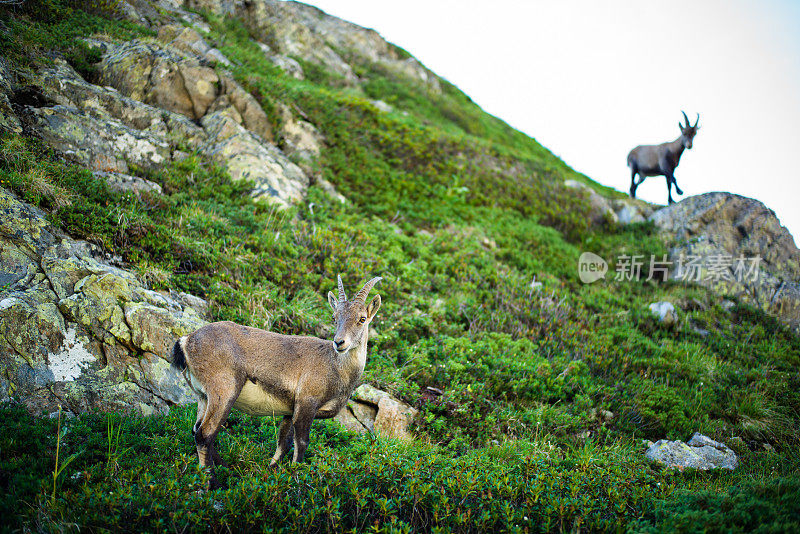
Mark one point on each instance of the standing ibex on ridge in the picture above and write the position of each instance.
(661, 160)
(264, 373)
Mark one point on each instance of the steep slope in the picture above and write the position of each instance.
(247, 153)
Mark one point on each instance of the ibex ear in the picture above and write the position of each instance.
(332, 300)
(372, 307)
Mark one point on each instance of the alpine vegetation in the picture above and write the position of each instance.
(263, 373)
(661, 160)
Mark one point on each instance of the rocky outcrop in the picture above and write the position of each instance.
(276, 178)
(8, 119)
(611, 211)
(105, 145)
(373, 410)
(701, 452)
(159, 76)
(249, 112)
(125, 183)
(105, 130)
(61, 85)
(735, 245)
(191, 42)
(601, 211)
(288, 65)
(301, 140)
(78, 332)
(297, 30)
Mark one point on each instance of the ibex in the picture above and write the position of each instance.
(661, 160)
(265, 374)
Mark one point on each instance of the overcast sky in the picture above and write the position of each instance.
(590, 80)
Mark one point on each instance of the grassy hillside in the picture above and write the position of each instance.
(460, 214)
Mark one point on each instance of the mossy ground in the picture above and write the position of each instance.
(460, 214)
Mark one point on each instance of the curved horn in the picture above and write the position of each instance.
(698, 120)
(342, 296)
(362, 294)
(688, 124)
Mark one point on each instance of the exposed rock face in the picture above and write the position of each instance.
(252, 115)
(701, 452)
(62, 85)
(103, 145)
(604, 210)
(300, 138)
(8, 120)
(77, 332)
(711, 232)
(158, 76)
(285, 63)
(105, 130)
(373, 410)
(246, 157)
(601, 210)
(191, 42)
(303, 31)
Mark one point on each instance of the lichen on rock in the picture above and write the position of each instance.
(700, 452)
(77, 332)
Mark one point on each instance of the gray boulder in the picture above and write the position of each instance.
(288, 65)
(701, 452)
(125, 183)
(373, 410)
(735, 245)
(629, 210)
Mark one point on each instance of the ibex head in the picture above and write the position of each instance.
(688, 131)
(352, 317)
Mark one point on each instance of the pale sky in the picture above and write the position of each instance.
(592, 79)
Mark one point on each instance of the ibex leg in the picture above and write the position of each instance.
(303, 417)
(201, 411)
(669, 189)
(220, 399)
(285, 437)
(634, 183)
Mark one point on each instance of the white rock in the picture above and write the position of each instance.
(665, 312)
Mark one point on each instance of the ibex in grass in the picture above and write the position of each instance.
(264, 373)
(661, 160)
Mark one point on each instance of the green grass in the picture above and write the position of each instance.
(459, 213)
